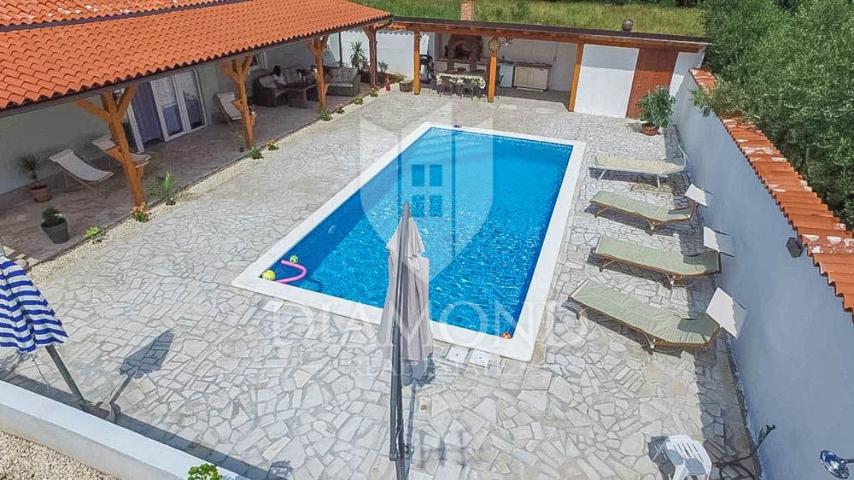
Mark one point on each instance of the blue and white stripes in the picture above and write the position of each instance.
(26, 320)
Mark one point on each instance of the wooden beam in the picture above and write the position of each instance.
(317, 46)
(93, 109)
(494, 46)
(371, 32)
(416, 62)
(236, 70)
(576, 75)
(116, 113)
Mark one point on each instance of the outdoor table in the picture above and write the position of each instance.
(458, 78)
(298, 94)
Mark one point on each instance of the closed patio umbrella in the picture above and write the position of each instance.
(27, 321)
(405, 328)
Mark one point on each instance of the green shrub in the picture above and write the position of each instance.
(166, 188)
(373, 93)
(95, 234)
(140, 214)
(657, 107)
(325, 115)
(52, 217)
(272, 145)
(358, 101)
(206, 471)
(788, 68)
(255, 154)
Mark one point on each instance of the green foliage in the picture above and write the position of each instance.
(374, 93)
(30, 164)
(358, 101)
(383, 66)
(95, 234)
(654, 16)
(272, 146)
(657, 107)
(140, 214)
(256, 154)
(166, 188)
(205, 471)
(791, 72)
(52, 217)
(325, 115)
(358, 59)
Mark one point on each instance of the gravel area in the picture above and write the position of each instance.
(21, 459)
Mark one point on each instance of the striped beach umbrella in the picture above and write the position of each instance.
(27, 322)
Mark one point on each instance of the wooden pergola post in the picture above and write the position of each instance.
(371, 32)
(494, 46)
(236, 70)
(317, 46)
(576, 75)
(416, 61)
(113, 113)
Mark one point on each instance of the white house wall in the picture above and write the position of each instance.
(44, 132)
(684, 62)
(605, 82)
(393, 48)
(794, 354)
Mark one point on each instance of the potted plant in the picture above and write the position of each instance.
(54, 225)
(383, 75)
(406, 85)
(359, 60)
(656, 110)
(39, 190)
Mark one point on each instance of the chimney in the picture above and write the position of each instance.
(467, 10)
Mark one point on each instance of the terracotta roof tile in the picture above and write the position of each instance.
(828, 241)
(71, 58)
(31, 12)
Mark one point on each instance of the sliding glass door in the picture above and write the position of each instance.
(166, 108)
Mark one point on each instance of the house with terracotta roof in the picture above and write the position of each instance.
(260, 379)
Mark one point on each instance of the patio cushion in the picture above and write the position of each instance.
(267, 82)
(637, 165)
(658, 259)
(639, 208)
(663, 325)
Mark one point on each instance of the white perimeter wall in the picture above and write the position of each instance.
(795, 355)
(684, 62)
(605, 82)
(393, 48)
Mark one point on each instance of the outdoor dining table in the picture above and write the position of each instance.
(457, 78)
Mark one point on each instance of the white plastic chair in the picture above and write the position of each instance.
(687, 455)
(74, 167)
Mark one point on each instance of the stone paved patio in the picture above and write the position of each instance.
(198, 364)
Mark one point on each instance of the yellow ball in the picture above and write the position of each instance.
(268, 275)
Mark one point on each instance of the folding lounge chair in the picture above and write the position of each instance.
(662, 327)
(226, 106)
(674, 265)
(657, 168)
(72, 166)
(654, 215)
(106, 144)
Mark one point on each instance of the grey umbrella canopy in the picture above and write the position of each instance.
(405, 333)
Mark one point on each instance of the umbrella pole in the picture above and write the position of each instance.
(398, 451)
(66, 375)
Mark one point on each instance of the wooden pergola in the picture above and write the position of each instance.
(509, 31)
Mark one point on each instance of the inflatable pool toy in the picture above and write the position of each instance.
(299, 276)
(294, 259)
(268, 275)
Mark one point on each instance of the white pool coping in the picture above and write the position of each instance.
(521, 346)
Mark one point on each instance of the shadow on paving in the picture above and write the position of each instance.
(146, 360)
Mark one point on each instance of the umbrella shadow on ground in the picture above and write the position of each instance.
(146, 360)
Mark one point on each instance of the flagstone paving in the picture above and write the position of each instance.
(299, 393)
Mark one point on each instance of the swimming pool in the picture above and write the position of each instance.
(491, 208)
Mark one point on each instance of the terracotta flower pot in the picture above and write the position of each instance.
(649, 129)
(40, 192)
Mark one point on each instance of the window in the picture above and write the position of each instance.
(259, 61)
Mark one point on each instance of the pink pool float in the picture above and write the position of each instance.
(302, 272)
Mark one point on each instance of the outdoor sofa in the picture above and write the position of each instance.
(343, 81)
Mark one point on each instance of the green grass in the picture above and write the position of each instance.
(661, 17)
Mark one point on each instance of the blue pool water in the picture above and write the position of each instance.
(482, 204)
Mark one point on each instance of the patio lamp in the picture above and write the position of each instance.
(836, 465)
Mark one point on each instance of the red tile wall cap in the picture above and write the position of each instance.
(827, 239)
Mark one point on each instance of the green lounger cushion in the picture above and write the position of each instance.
(657, 259)
(640, 208)
(625, 164)
(664, 326)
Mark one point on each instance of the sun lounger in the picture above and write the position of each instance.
(226, 106)
(654, 215)
(74, 167)
(106, 144)
(657, 168)
(660, 327)
(674, 265)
